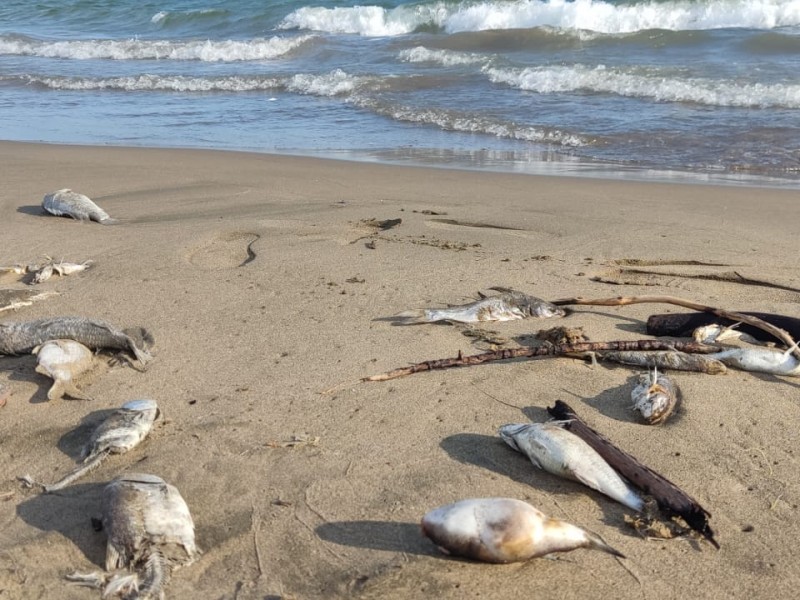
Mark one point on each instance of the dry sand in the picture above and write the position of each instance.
(255, 275)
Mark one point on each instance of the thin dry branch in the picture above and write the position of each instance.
(552, 350)
(670, 498)
(780, 334)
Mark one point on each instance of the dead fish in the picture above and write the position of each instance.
(66, 203)
(710, 334)
(23, 337)
(562, 453)
(667, 359)
(150, 532)
(508, 306)
(63, 361)
(120, 432)
(61, 268)
(504, 530)
(656, 397)
(761, 360)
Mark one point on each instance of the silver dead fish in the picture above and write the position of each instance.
(66, 203)
(761, 360)
(62, 268)
(656, 397)
(504, 530)
(508, 306)
(120, 432)
(150, 532)
(23, 337)
(64, 361)
(562, 453)
(714, 333)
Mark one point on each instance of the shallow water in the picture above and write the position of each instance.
(705, 89)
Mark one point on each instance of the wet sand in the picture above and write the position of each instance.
(265, 281)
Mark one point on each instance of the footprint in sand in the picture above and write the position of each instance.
(226, 250)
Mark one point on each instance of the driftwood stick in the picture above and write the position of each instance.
(670, 498)
(552, 350)
(781, 334)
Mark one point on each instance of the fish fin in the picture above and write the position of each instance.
(124, 586)
(108, 221)
(416, 315)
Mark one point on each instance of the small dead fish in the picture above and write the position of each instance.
(23, 337)
(656, 397)
(710, 334)
(504, 530)
(667, 359)
(761, 360)
(150, 532)
(562, 453)
(120, 432)
(63, 361)
(508, 306)
(61, 268)
(66, 203)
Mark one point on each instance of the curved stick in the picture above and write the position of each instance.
(781, 334)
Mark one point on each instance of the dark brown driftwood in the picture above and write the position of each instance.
(683, 324)
(670, 498)
(552, 350)
(748, 319)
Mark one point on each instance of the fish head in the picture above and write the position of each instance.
(509, 432)
(545, 310)
(148, 408)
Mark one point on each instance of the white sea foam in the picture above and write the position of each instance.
(593, 15)
(446, 58)
(335, 83)
(653, 85)
(134, 49)
(455, 121)
(159, 83)
(366, 20)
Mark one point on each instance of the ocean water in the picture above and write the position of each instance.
(699, 89)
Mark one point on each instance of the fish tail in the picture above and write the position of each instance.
(91, 464)
(418, 315)
(594, 541)
(108, 221)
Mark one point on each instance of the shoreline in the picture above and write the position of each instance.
(267, 280)
(565, 166)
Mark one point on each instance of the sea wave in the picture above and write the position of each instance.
(653, 85)
(590, 15)
(335, 83)
(452, 120)
(134, 49)
(446, 58)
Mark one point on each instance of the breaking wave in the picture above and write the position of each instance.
(134, 49)
(655, 85)
(591, 15)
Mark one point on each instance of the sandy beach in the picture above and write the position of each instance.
(265, 282)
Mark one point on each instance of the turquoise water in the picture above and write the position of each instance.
(708, 89)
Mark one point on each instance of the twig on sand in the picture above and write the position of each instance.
(552, 350)
(781, 334)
